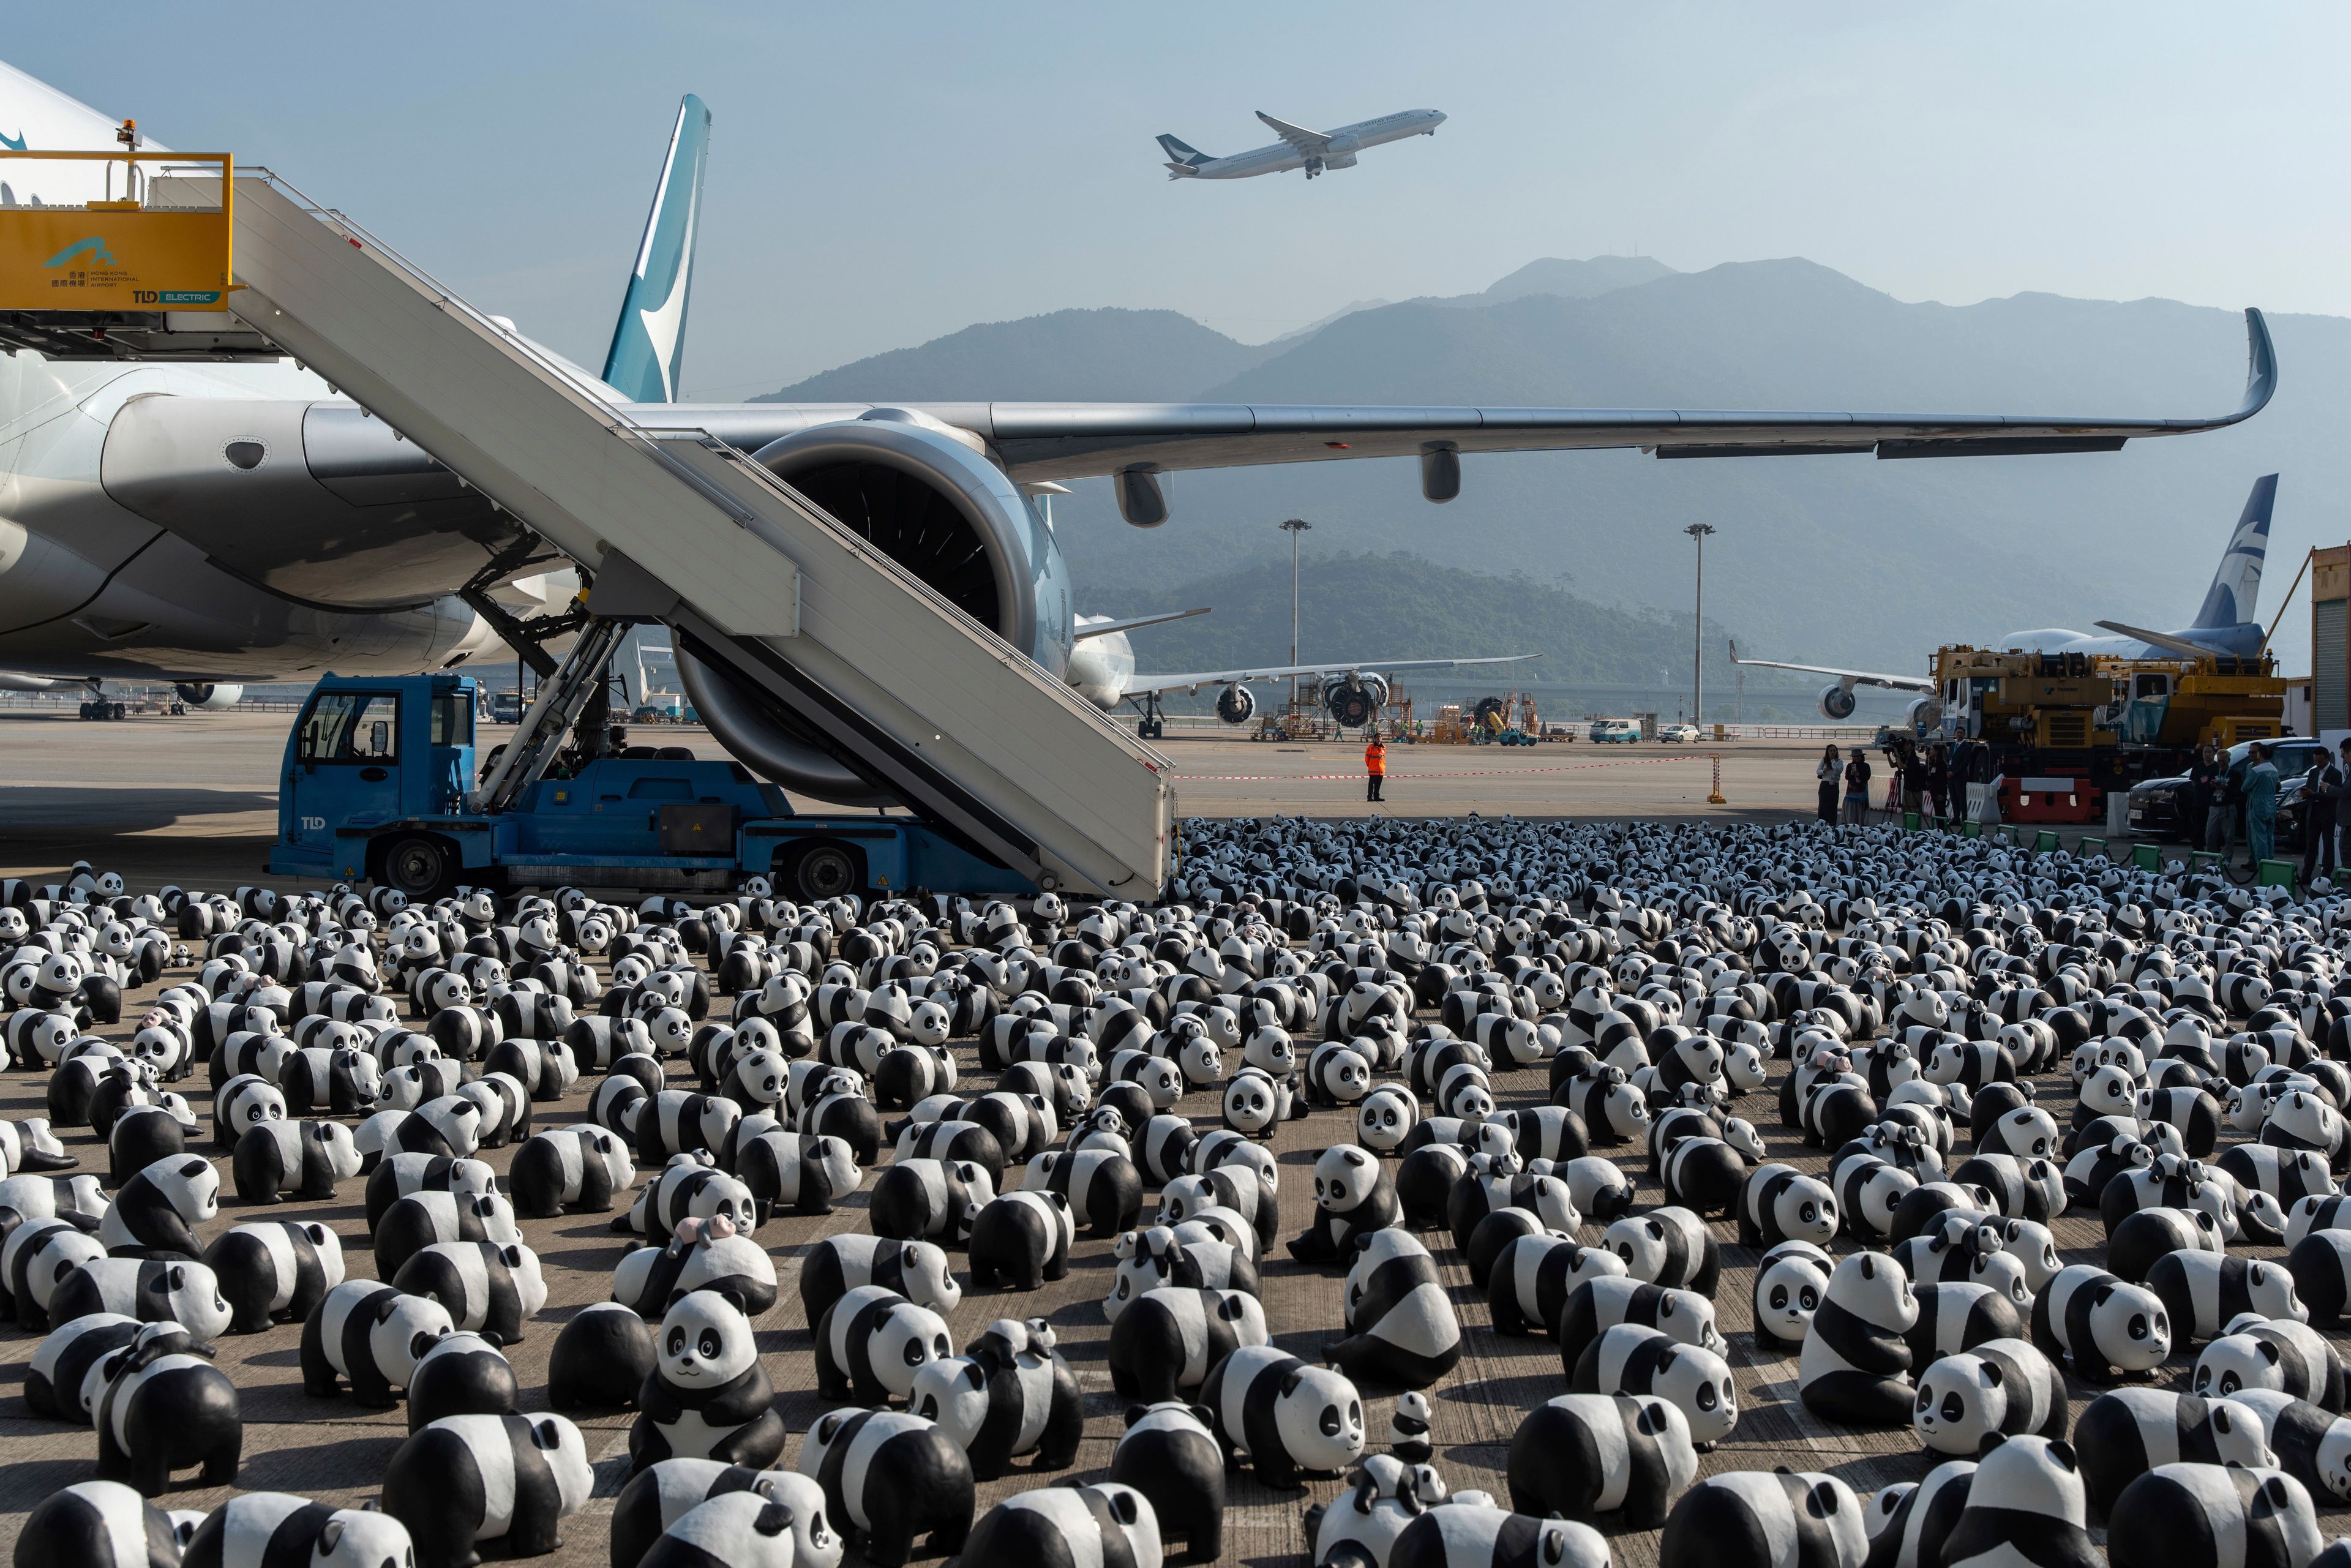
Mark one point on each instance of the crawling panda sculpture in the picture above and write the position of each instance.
(465, 1479)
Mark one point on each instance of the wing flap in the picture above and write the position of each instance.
(1307, 143)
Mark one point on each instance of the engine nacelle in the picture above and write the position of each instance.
(923, 494)
(210, 696)
(1926, 714)
(1355, 700)
(1836, 702)
(1334, 158)
(1234, 703)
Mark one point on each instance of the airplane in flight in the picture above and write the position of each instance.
(203, 522)
(2224, 623)
(1312, 150)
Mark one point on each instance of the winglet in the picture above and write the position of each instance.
(2260, 367)
(1732, 644)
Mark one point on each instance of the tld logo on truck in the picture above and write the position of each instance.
(314, 824)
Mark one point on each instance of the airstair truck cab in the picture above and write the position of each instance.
(374, 787)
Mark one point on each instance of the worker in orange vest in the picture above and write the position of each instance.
(1376, 764)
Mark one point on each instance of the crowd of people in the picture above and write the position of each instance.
(1928, 780)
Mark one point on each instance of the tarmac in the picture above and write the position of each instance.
(190, 800)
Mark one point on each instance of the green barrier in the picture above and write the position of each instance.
(1910, 822)
(2278, 874)
(1972, 829)
(2204, 860)
(2088, 847)
(2044, 841)
(2147, 857)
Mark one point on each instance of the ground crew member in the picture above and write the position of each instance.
(1376, 764)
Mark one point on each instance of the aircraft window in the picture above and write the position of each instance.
(351, 726)
(661, 789)
(452, 719)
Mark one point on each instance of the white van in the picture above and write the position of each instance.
(1615, 731)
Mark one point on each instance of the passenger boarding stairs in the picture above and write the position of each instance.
(679, 527)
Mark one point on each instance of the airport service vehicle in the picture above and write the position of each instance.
(378, 783)
(1615, 731)
(1680, 734)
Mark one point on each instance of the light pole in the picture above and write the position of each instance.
(1293, 527)
(1697, 531)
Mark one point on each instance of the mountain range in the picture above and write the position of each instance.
(1841, 559)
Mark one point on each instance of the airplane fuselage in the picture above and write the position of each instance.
(2243, 641)
(1345, 143)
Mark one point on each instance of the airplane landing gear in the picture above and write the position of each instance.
(1152, 725)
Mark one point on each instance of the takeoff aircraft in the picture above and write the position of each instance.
(205, 522)
(1312, 150)
(2224, 623)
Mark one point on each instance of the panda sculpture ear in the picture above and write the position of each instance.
(1991, 1372)
(329, 1537)
(1992, 1440)
(2062, 1452)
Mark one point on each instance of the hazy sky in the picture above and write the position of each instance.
(881, 175)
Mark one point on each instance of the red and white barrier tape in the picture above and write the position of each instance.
(1357, 776)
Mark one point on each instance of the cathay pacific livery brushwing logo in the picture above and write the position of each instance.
(13, 143)
(93, 248)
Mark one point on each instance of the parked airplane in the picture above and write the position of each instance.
(1312, 150)
(207, 522)
(2224, 623)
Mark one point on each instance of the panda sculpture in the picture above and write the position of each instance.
(156, 1212)
(1631, 1358)
(1362, 1525)
(872, 1342)
(1854, 1368)
(1068, 1526)
(2321, 1266)
(2204, 1291)
(796, 1173)
(1669, 1246)
(1600, 1304)
(1240, 1189)
(2278, 1354)
(465, 1480)
(421, 1218)
(370, 1336)
(101, 1524)
(1791, 1282)
(602, 1359)
(461, 1374)
(918, 1270)
(275, 1271)
(401, 1174)
(656, 1502)
(1402, 1330)
(891, 1477)
(922, 1200)
(1756, 1518)
(1352, 1197)
(1464, 1531)
(491, 1289)
(1281, 1414)
(1580, 1456)
(1101, 1188)
(1171, 1338)
(575, 1169)
(703, 1255)
(1022, 1239)
(2003, 1385)
(1780, 1203)
(1010, 1394)
(2103, 1328)
(2205, 1516)
(164, 1407)
(277, 1158)
(2026, 1500)
(152, 1289)
(54, 1383)
(708, 1396)
(1169, 1455)
(267, 1528)
(1534, 1275)
(1163, 1255)
(2127, 1432)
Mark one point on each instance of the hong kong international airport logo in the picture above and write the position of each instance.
(78, 260)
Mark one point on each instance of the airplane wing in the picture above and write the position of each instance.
(1306, 143)
(1104, 628)
(1140, 684)
(1858, 677)
(1040, 441)
(2186, 647)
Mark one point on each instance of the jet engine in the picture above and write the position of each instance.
(923, 494)
(1234, 703)
(1925, 714)
(1354, 699)
(1836, 702)
(208, 695)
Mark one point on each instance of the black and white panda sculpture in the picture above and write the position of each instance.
(1009, 1395)
(1780, 1203)
(1854, 1368)
(918, 1270)
(1755, 1518)
(1533, 1276)
(890, 1477)
(1631, 1358)
(1580, 1456)
(743, 1529)
(923, 1200)
(421, 1218)
(1106, 1523)
(1466, 1531)
(277, 1158)
(164, 1407)
(602, 1359)
(461, 1374)
(2103, 1328)
(708, 1396)
(796, 1173)
(1167, 1255)
(2004, 1385)
(1101, 1187)
(2127, 1432)
(490, 1287)
(1022, 1239)
(152, 1289)
(2205, 1516)
(2277, 1353)
(1352, 1197)
(1402, 1330)
(101, 1524)
(1669, 1246)
(1169, 1455)
(1790, 1282)
(872, 1342)
(1281, 1414)
(575, 1169)
(1600, 1304)
(268, 1527)
(372, 1336)
(1170, 1339)
(156, 1212)
(275, 1271)
(658, 1500)
(465, 1480)
(2203, 1292)
(2025, 1502)
(55, 1383)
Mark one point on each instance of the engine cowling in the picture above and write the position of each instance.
(1354, 701)
(1836, 702)
(210, 696)
(1234, 703)
(923, 494)
(1926, 713)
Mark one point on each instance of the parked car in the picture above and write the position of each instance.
(1680, 734)
(2159, 807)
(1615, 731)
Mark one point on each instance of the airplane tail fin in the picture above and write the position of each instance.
(1181, 156)
(2237, 585)
(649, 340)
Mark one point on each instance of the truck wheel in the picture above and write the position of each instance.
(420, 866)
(827, 870)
